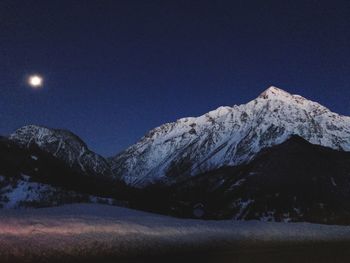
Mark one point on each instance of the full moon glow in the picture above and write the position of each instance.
(35, 81)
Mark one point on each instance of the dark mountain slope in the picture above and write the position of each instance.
(294, 181)
(25, 168)
(64, 146)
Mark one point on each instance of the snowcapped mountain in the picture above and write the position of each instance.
(64, 146)
(280, 157)
(229, 136)
(31, 177)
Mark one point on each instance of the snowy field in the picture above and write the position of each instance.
(102, 233)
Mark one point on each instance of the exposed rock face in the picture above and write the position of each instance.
(229, 136)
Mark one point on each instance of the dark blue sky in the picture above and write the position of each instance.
(115, 69)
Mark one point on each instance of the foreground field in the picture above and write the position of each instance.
(101, 233)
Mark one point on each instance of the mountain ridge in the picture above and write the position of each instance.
(279, 157)
(229, 136)
(64, 145)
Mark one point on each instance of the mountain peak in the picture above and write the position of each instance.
(63, 145)
(229, 136)
(274, 92)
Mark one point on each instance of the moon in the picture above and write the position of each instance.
(35, 81)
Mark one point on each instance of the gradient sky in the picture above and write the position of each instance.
(115, 69)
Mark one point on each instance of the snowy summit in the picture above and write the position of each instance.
(229, 136)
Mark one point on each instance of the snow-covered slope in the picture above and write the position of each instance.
(229, 136)
(23, 192)
(98, 233)
(63, 145)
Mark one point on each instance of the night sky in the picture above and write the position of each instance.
(115, 69)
